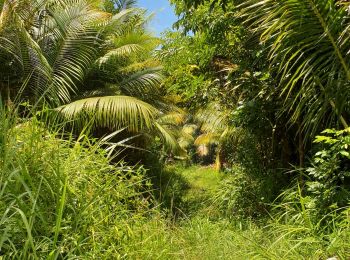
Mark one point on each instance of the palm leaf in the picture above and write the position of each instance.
(144, 84)
(168, 137)
(207, 138)
(127, 43)
(309, 51)
(54, 41)
(114, 112)
(213, 118)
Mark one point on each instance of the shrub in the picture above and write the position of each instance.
(329, 176)
(62, 198)
(242, 194)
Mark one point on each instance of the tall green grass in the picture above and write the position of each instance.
(290, 230)
(62, 197)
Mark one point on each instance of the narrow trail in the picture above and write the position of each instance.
(203, 182)
(188, 191)
(201, 233)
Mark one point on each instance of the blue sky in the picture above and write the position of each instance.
(164, 14)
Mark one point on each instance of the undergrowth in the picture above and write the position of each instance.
(64, 197)
(61, 197)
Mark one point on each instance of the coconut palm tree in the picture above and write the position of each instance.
(53, 43)
(56, 47)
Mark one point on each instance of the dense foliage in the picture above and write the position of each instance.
(268, 87)
(225, 138)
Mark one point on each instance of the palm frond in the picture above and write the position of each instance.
(120, 52)
(168, 137)
(54, 41)
(127, 44)
(207, 138)
(144, 84)
(70, 41)
(124, 4)
(175, 118)
(308, 49)
(189, 129)
(213, 118)
(114, 112)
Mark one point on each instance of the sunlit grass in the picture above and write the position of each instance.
(61, 197)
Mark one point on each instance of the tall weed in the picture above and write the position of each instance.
(63, 197)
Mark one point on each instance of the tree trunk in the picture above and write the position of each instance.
(218, 163)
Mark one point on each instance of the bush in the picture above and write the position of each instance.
(328, 182)
(242, 194)
(61, 198)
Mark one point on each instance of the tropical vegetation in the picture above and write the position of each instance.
(226, 137)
